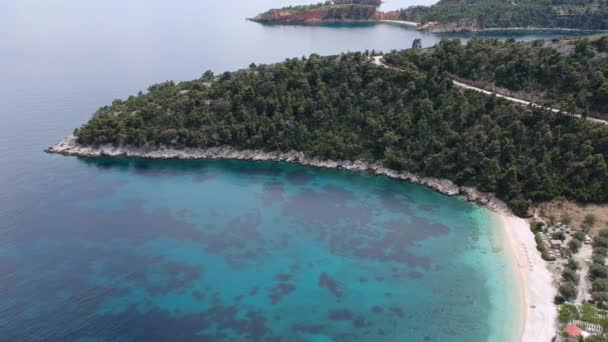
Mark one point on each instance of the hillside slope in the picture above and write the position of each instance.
(347, 108)
(457, 15)
(327, 11)
(474, 15)
(569, 74)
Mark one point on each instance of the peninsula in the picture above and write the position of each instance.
(412, 119)
(330, 11)
(457, 15)
(400, 115)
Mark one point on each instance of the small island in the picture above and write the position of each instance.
(331, 11)
(456, 15)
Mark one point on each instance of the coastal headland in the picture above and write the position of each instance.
(450, 16)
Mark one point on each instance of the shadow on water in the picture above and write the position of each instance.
(171, 167)
(501, 34)
(295, 174)
(343, 25)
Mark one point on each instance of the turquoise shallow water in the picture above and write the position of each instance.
(228, 250)
(169, 251)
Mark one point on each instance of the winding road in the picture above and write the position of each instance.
(377, 60)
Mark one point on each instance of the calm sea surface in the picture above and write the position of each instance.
(119, 250)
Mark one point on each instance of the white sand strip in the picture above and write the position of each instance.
(400, 22)
(536, 286)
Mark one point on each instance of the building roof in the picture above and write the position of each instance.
(574, 331)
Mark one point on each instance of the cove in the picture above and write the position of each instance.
(236, 250)
(141, 250)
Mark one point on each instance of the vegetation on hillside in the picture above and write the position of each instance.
(331, 10)
(345, 107)
(576, 14)
(598, 271)
(464, 15)
(571, 74)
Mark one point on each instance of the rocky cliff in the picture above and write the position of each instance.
(291, 16)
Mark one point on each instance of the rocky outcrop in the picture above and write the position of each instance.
(337, 11)
(70, 147)
(290, 16)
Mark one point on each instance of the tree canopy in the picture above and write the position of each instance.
(328, 10)
(576, 14)
(345, 107)
(571, 74)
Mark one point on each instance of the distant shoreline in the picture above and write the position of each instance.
(420, 27)
(553, 29)
(332, 21)
(438, 28)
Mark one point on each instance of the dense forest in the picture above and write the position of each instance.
(460, 15)
(345, 107)
(578, 14)
(571, 74)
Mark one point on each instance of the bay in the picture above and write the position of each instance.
(139, 250)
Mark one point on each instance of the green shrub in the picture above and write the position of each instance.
(540, 245)
(570, 275)
(598, 271)
(600, 297)
(574, 245)
(600, 285)
(600, 251)
(567, 313)
(580, 236)
(589, 314)
(590, 219)
(558, 236)
(600, 241)
(572, 264)
(568, 290)
(598, 259)
(537, 227)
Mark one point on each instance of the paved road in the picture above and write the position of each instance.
(378, 61)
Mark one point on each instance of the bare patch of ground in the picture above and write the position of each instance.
(574, 214)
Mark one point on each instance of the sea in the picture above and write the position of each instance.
(137, 250)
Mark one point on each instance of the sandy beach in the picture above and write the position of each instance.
(400, 22)
(536, 290)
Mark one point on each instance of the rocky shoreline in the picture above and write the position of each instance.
(432, 27)
(472, 26)
(70, 147)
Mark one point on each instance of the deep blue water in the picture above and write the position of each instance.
(116, 250)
